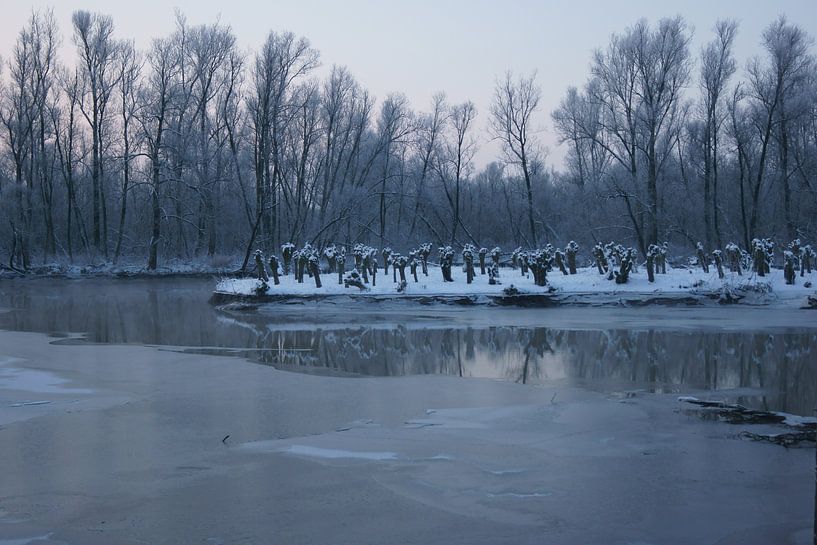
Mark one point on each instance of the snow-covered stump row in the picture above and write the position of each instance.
(587, 286)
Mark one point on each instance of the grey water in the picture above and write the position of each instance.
(764, 358)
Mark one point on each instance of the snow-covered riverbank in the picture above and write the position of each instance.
(587, 286)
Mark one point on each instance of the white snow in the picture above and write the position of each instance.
(25, 540)
(34, 380)
(587, 282)
(317, 452)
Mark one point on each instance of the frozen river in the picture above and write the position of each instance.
(132, 411)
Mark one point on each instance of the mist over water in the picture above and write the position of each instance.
(765, 368)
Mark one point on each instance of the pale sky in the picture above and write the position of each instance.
(419, 47)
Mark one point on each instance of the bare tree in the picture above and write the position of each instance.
(157, 96)
(773, 87)
(458, 156)
(67, 139)
(209, 51)
(578, 122)
(430, 126)
(394, 126)
(283, 60)
(93, 36)
(512, 110)
(662, 61)
(717, 67)
(25, 114)
(641, 77)
(129, 66)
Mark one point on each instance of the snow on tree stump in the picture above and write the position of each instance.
(259, 267)
(366, 265)
(807, 256)
(315, 268)
(524, 262)
(625, 266)
(482, 253)
(570, 251)
(357, 253)
(301, 263)
(717, 257)
(516, 258)
(353, 279)
(493, 274)
(446, 262)
(560, 261)
(661, 259)
(762, 253)
(329, 253)
(540, 261)
(789, 268)
(652, 253)
(287, 251)
(600, 259)
(496, 254)
(468, 262)
(702, 260)
(387, 253)
(273, 268)
(399, 263)
(733, 257)
(424, 251)
(340, 263)
(413, 262)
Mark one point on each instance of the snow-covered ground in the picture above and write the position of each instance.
(677, 282)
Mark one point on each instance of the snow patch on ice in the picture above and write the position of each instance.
(34, 380)
(24, 540)
(278, 446)
(520, 495)
(687, 399)
(796, 421)
(315, 452)
(501, 472)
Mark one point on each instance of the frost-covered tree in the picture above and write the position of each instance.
(514, 104)
(97, 51)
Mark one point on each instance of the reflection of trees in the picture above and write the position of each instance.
(780, 364)
(536, 345)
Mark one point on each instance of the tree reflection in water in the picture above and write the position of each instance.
(775, 371)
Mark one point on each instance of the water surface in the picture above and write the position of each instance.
(765, 358)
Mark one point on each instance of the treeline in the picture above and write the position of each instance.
(196, 148)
